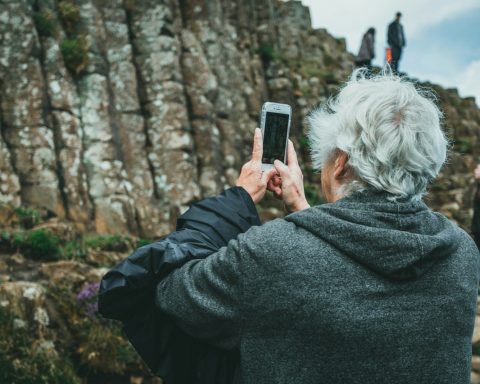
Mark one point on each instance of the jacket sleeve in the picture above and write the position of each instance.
(127, 291)
(206, 297)
(203, 229)
(390, 35)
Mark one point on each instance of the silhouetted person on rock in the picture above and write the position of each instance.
(476, 209)
(367, 49)
(396, 41)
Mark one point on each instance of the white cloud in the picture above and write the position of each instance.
(469, 81)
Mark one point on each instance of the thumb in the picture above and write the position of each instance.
(281, 168)
(266, 176)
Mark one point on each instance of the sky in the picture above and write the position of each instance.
(443, 36)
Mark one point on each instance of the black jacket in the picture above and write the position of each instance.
(395, 36)
(127, 291)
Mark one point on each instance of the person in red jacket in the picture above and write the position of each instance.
(396, 41)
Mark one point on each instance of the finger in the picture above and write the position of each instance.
(277, 180)
(282, 169)
(267, 175)
(292, 155)
(277, 191)
(257, 145)
(271, 186)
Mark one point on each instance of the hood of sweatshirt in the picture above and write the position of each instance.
(399, 240)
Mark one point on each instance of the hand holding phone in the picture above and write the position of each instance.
(252, 178)
(288, 185)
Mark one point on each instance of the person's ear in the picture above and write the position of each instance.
(340, 165)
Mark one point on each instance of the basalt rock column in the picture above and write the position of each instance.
(63, 111)
(240, 90)
(201, 87)
(9, 184)
(171, 155)
(107, 178)
(27, 134)
(127, 121)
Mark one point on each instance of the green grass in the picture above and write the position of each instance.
(268, 53)
(39, 244)
(116, 243)
(27, 217)
(42, 245)
(75, 54)
(45, 23)
(74, 48)
(143, 242)
(73, 250)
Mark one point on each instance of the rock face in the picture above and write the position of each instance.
(453, 192)
(117, 115)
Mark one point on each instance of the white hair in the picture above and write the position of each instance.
(389, 129)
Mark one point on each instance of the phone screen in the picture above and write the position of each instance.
(274, 137)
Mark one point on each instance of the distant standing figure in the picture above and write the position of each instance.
(396, 41)
(476, 210)
(367, 49)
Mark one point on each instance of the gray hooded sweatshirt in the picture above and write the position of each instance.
(363, 290)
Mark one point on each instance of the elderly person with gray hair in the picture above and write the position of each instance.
(372, 287)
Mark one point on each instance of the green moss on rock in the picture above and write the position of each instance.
(45, 23)
(69, 14)
(27, 217)
(268, 53)
(100, 346)
(38, 244)
(24, 360)
(113, 243)
(75, 54)
(143, 242)
(73, 250)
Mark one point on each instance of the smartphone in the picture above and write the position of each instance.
(275, 125)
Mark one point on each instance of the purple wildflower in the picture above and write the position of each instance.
(88, 291)
(87, 299)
